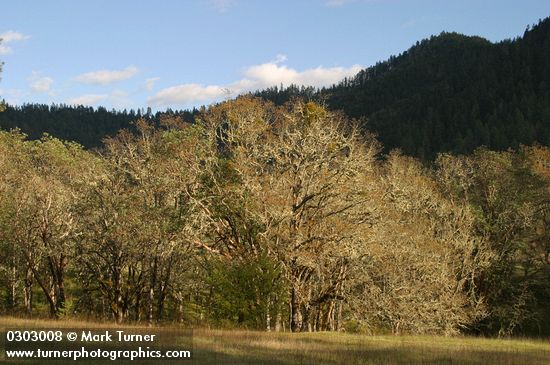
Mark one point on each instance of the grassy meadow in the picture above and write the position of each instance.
(252, 347)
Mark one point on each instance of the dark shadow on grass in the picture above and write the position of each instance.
(401, 356)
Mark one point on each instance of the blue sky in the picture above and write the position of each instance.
(169, 53)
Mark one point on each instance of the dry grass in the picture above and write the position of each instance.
(250, 347)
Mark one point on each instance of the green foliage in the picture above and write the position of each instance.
(284, 219)
(245, 292)
(507, 195)
(85, 125)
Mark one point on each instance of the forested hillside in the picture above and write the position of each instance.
(450, 93)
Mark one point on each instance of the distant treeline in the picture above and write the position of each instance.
(450, 93)
(277, 218)
(87, 126)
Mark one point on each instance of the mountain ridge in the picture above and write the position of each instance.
(450, 93)
(447, 93)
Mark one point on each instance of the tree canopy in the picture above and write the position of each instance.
(274, 217)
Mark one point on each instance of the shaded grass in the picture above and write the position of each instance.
(241, 347)
(251, 347)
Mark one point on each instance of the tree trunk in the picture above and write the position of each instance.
(28, 292)
(160, 303)
(339, 317)
(295, 312)
(318, 324)
(278, 319)
(152, 284)
(306, 321)
(150, 305)
(179, 302)
(47, 288)
(137, 307)
(268, 315)
(119, 314)
(164, 284)
(12, 300)
(117, 298)
(332, 307)
(60, 285)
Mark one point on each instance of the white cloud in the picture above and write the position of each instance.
(150, 83)
(254, 78)
(185, 94)
(88, 99)
(8, 37)
(104, 77)
(337, 2)
(222, 5)
(409, 23)
(11, 36)
(40, 84)
(280, 58)
(118, 99)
